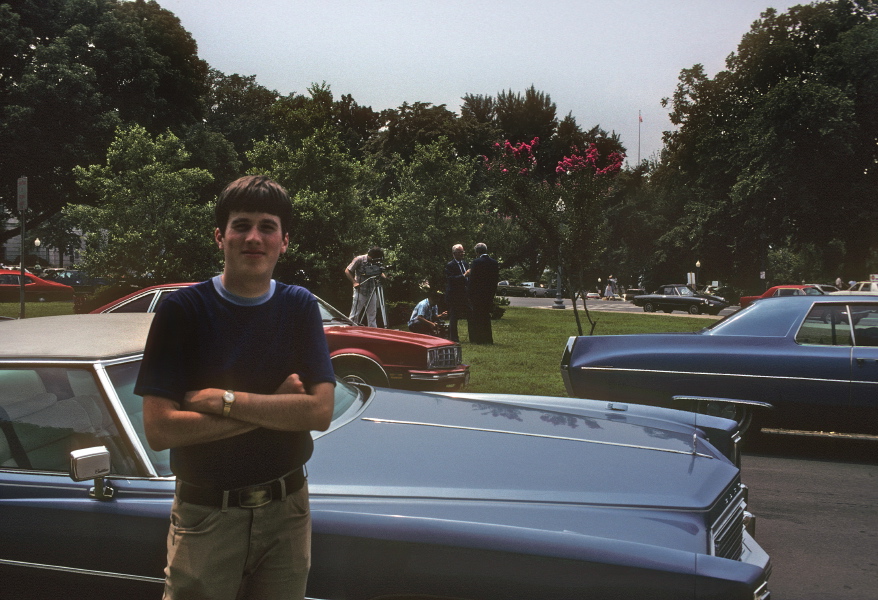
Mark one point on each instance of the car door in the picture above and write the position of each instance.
(864, 363)
(56, 534)
(815, 374)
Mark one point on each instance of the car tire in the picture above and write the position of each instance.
(694, 310)
(649, 307)
(360, 370)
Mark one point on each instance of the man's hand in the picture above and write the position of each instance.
(208, 401)
(291, 385)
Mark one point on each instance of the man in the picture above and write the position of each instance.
(455, 290)
(484, 273)
(235, 375)
(425, 316)
(363, 273)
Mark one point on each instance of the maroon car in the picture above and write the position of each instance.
(35, 288)
(381, 357)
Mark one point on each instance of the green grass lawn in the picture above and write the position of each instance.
(36, 309)
(526, 355)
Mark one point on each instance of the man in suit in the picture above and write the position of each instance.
(455, 290)
(484, 273)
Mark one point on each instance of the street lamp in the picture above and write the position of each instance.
(697, 269)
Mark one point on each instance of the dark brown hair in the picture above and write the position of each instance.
(254, 193)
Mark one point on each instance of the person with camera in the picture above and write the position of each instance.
(366, 273)
(425, 317)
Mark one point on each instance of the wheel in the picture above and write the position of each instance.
(694, 310)
(360, 370)
(649, 307)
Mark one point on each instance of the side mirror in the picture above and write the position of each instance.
(92, 463)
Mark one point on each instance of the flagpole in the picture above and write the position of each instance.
(639, 122)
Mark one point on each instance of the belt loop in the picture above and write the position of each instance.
(283, 488)
(225, 507)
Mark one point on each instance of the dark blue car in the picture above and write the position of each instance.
(796, 362)
(412, 494)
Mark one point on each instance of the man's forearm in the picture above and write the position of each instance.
(168, 426)
(281, 411)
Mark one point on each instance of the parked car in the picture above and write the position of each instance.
(534, 289)
(678, 296)
(631, 292)
(35, 288)
(803, 362)
(824, 287)
(862, 288)
(81, 282)
(413, 495)
(778, 291)
(511, 288)
(592, 296)
(383, 357)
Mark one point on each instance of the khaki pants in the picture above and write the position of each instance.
(243, 553)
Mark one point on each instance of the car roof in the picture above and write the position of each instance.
(88, 337)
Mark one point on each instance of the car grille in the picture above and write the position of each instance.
(446, 357)
(727, 532)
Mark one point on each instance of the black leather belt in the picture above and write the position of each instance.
(252, 496)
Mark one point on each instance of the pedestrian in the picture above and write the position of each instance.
(235, 376)
(484, 273)
(366, 273)
(455, 290)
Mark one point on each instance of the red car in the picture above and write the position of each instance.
(381, 357)
(783, 290)
(35, 289)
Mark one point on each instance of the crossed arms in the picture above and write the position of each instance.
(199, 419)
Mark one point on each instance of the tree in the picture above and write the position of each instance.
(778, 149)
(74, 71)
(329, 190)
(432, 210)
(147, 222)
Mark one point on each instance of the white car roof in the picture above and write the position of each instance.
(75, 336)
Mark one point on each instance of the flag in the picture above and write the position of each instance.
(640, 117)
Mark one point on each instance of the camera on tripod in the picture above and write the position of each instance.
(372, 269)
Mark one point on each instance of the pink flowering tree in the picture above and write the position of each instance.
(565, 215)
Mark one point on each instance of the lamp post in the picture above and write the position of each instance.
(697, 269)
(37, 266)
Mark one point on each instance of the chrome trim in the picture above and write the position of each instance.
(77, 571)
(122, 416)
(762, 592)
(664, 372)
(726, 400)
(417, 376)
(537, 435)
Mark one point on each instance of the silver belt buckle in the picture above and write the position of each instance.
(254, 496)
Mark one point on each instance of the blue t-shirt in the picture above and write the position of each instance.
(204, 337)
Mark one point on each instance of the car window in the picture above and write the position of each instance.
(136, 305)
(761, 319)
(47, 412)
(9, 279)
(865, 318)
(124, 376)
(826, 325)
(684, 291)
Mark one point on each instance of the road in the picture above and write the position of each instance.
(603, 305)
(816, 503)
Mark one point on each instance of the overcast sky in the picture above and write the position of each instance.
(601, 60)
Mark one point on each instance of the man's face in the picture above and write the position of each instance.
(252, 243)
(457, 253)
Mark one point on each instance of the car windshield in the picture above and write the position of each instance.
(684, 291)
(330, 314)
(348, 398)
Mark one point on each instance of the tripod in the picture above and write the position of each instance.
(362, 300)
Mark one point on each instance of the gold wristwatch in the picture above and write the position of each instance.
(228, 400)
